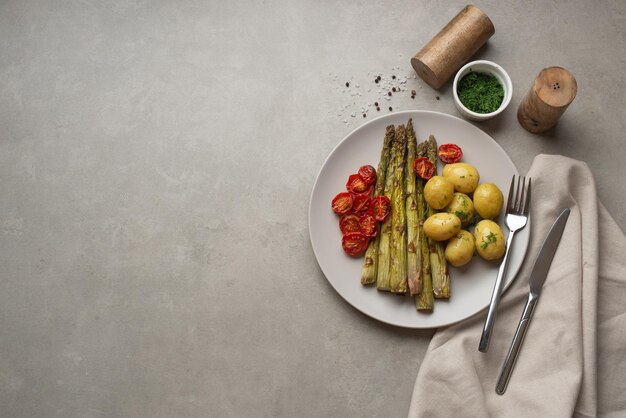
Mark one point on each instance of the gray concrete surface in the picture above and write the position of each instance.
(156, 161)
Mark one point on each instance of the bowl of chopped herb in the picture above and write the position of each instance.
(482, 90)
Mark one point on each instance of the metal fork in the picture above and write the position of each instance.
(517, 208)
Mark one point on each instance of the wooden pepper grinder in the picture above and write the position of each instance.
(439, 59)
(551, 93)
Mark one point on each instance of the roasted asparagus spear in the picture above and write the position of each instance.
(414, 253)
(384, 235)
(425, 300)
(439, 266)
(368, 273)
(398, 276)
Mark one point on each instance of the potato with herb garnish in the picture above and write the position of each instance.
(461, 206)
(464, 176)
(442, 226)
(488, 200)
(438, 192)
(489, 240)
(460, 249)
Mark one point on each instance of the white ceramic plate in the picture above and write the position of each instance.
(472, 284)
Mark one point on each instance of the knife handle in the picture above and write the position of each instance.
(516, 344)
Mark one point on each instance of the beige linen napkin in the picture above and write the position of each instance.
(573, 360)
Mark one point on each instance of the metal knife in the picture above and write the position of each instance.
(537, 278)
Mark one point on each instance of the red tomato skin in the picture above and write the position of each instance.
(380, 207)
(354, 243)
(361, 203)
(356, 185)
(450, 153)
(368, 174)
(342, 203)
(368, 225)
(349, 223)
(423, 168)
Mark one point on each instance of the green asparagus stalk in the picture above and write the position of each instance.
(398, 274)
(425, 300)
(368, 273)
(384, 235)
(414, 253)
(439, 266)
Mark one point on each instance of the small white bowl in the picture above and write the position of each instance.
(487, 67)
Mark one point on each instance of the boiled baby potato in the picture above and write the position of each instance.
(464, 176)
(442, 226)
(461, 206)
(488, 200)
(460, 249)
(489, 240)
(438, 192)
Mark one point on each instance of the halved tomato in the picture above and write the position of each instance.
(368, 174)
(342, 203)
(450, 153)
(423, 167)
(354, 243)
(380, 207)
(369, 225)
(357, 185)
(349, 223)
(360, 203)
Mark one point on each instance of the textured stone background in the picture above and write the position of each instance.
(156, 161)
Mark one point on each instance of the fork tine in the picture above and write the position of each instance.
(517, 208)
(510, 198)
(520, 208)
(527, 203)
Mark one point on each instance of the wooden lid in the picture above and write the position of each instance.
(555, 86)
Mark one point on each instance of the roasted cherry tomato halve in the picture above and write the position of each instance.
(450, 153)
(342, 203)
(423, 167)
(354, 243)
(357, 185)
(360, 203)
(380, 207)
(369, 225)
(368, 174)
(349, 223)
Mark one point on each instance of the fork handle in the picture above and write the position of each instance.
(516, 344)
(495, 298)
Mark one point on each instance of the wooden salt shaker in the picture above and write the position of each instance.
(453, 46)
(551, 93)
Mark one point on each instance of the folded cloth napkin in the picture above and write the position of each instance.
(573, 359)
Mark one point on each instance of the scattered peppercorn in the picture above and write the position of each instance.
(363, 114)
(390, 108)
(376, 104)
(437, 97)
(389, 94)
(393, 76)
(377, 109)
(393, 89)
(376, 80)
(347, 84)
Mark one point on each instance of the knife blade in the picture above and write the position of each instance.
(538, 277)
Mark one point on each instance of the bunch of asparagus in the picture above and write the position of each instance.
(402, 259)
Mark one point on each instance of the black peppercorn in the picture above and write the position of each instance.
(389, 94)
(376, 104)
(393, 76)
(347, 84)
(390, 108)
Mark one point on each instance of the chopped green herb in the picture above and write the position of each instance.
(480, 92)
(488, 240)
(460, 214)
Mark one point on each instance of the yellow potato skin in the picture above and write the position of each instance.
(463, 176)
(438, 192)
(488, 200)
(460, 249)
(489, 240)
(442, 226)
(462, 206)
